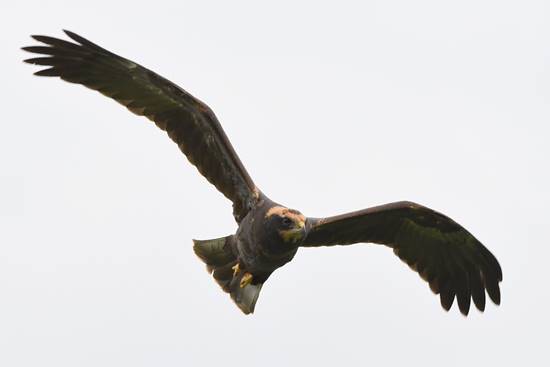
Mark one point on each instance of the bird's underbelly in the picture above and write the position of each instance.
(256, 260)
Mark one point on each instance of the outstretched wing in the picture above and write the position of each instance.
(445, 254)
(189, 122)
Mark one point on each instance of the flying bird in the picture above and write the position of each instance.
(447, 256)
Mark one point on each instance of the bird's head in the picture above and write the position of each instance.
(289, 225)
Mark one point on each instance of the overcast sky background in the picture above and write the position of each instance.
(331, 108)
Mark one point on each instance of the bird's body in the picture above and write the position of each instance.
(446, 255)
(267, 238)
(259, 247)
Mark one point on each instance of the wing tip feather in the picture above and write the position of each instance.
(72, 35)
(47, 72)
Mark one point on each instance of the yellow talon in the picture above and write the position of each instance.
(246, 280)
(236, 269)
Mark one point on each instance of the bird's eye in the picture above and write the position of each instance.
(286, 221)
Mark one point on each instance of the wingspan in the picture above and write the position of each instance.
(189, 122)
(445, 254)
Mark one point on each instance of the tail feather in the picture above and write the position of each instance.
(215, 253)
(219, 258)
(245, 298)
(224, 275)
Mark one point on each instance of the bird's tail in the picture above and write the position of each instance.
(219, 258)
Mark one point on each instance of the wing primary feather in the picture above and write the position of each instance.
(447, 296)
(48, 72)
(478, 292)
(493, 289)
(463, 295)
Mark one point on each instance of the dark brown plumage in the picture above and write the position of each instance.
(189, 122)
(446, 255)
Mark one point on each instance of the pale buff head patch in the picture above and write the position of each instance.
(281, 211)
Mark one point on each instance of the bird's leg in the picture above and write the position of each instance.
(247, 277)
(246, 280)
(236, 269)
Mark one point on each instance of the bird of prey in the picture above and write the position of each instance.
(447, 256)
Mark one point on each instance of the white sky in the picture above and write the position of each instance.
(332, 108)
